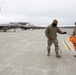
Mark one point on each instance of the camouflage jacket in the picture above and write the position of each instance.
(52, 31)
(74, 32)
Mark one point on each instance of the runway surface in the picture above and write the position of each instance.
(24, 53)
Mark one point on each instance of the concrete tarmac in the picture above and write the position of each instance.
(25, 53)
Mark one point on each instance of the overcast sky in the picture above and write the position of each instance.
(39, 12)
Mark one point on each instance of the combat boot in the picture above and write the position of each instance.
(58, 55)
(48, 53)
(74, 55)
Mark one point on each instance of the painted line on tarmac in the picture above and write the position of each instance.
(64, 44)
(69, 46)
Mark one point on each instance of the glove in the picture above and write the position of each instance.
(65, 33)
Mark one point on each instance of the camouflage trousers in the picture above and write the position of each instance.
(49, 42)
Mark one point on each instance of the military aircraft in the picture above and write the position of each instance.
(5, 27)
(24, 27)
(15, 25)
(28, 25)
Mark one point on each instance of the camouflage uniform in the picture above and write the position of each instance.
(74, 34)
(51, 32)
(55, 41)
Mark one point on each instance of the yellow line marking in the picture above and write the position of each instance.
(68, 38)
(69, 46)
(64, 45)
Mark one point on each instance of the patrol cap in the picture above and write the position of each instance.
(55, 21)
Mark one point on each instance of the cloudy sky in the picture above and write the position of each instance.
(39, 12)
